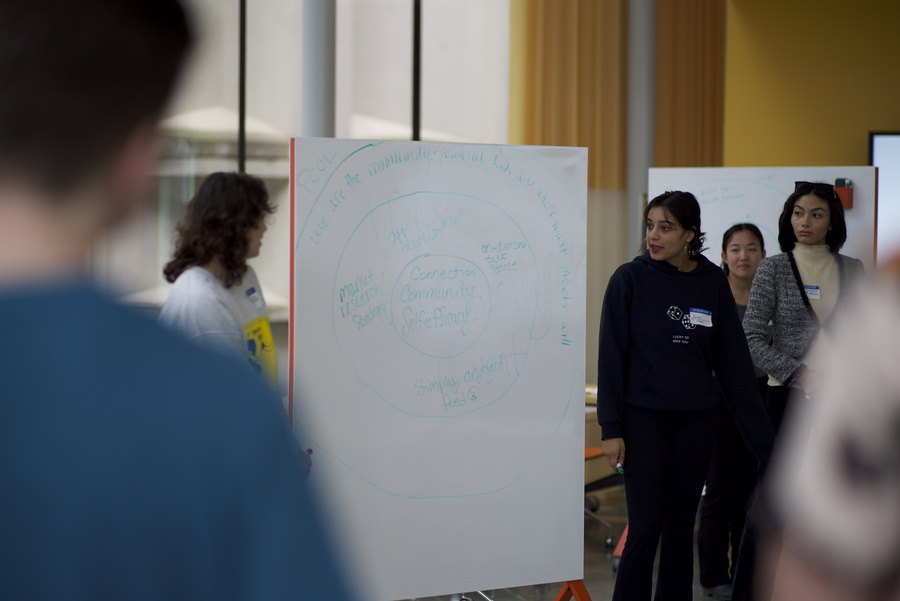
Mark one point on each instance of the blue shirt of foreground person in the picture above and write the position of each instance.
(132, 465)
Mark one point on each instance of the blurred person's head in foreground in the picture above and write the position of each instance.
(83, 86)
(133, 465)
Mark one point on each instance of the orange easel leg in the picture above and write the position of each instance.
(573, 588)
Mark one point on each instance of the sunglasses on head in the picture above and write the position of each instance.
(822, 190)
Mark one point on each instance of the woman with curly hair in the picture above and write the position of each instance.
(217, 300)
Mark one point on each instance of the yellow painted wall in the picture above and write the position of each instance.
(806, 80)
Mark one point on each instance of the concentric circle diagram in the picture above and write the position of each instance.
(441, 294)
(449, 303)
(439, 314)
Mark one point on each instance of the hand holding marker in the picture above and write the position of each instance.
(614, 449)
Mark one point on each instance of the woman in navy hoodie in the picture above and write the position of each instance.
(669, 324)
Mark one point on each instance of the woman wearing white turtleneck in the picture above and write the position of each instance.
(798, 291)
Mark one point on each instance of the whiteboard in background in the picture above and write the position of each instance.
(729, 195)
(438, 358)
(885, 154)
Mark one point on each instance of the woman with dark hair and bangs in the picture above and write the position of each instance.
(669, 323)
(217, 300)
(798, 291)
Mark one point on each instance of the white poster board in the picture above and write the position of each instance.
(437, 328)
(729, 195)
(884, 153)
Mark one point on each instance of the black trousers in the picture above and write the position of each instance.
(778, 402)
(778, 405)
(666, 459)
(723, 509)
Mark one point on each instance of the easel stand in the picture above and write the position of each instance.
(573, 589)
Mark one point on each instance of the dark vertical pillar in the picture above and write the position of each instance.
(242, 89)
(417, 71)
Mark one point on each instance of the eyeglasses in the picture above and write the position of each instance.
(822, 190)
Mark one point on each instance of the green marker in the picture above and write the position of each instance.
(620, 468)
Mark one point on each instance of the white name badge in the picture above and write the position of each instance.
(813, 292)
(701, 317)
(254, 297)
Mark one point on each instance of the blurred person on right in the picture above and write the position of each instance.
(133, 465)
(833, 497)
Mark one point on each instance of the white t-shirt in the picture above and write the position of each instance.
(234, 320)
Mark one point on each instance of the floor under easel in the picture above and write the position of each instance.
(599, 576)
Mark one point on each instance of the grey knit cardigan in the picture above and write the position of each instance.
(775, 297)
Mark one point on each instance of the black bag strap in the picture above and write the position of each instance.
(801, 288)
(841, 285)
